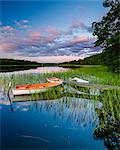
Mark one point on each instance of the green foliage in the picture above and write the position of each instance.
(10, 62)
(92, 73)
(108, 127)
(112, 59)
(107, 32)
(92, 60)
(16, 62)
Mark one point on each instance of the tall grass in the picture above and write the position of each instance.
(109, 114)
(94, 74)
(109, 118)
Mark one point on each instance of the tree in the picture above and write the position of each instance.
(108, 34)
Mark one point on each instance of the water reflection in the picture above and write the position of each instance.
(79, 111)
(108, 128)
(64, 122)
(34, 70)
(69, 113)
(12, 68)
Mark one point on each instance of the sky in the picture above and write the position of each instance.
(49, 31)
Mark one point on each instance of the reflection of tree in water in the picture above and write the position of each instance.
(109, 127)
(81, 112)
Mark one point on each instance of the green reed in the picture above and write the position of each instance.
(109, 118)
(94, 74)
(109, 113)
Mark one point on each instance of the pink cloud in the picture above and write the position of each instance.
(44, 41)
(50, 59)
(35, 36)
(31, 39)
(8, 28)
(80, 39)
(80, 25)
(52, 31)
(26, 41)
(49, 39)
(77, 24)
(6, 47)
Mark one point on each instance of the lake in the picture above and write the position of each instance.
(35, 70)
(64, 122)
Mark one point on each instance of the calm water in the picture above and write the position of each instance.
(36, 70)
(65, 123)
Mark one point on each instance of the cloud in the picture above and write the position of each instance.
(23, 24)
(77, 24)
(80, 39)
(7, 47)
(50, 59)
(35, 36)
(53, 31)
(25, 21)
(48, 41)
(8, 28)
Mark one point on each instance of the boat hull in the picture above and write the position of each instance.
(27, 92)
(55, 80)
(33, 88)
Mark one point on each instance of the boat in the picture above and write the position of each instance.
(33, 88)
(79, 80)
(55, 80)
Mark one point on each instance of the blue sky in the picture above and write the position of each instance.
(39, 29)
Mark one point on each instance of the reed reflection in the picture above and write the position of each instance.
(81, 112)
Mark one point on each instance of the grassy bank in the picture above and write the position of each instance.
(92, 73)
(98, 74)
(109, 114)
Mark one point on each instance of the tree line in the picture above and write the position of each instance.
(11, 62)
(107, 32)
(16, 62)
(108, 35)
(108, 38)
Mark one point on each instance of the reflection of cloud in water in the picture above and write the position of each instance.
(24, 109)
(3, 102)
(37, 70)
(79, 111)
(22, 106)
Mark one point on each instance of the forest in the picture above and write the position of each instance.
(107, 32)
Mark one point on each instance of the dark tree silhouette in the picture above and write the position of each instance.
(108, 34)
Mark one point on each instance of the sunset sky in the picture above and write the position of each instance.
(49, 31)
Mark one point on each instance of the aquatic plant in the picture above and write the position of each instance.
(109, 118)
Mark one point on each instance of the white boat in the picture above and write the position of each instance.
(55, 80)
(79, 80)
(33, 88)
